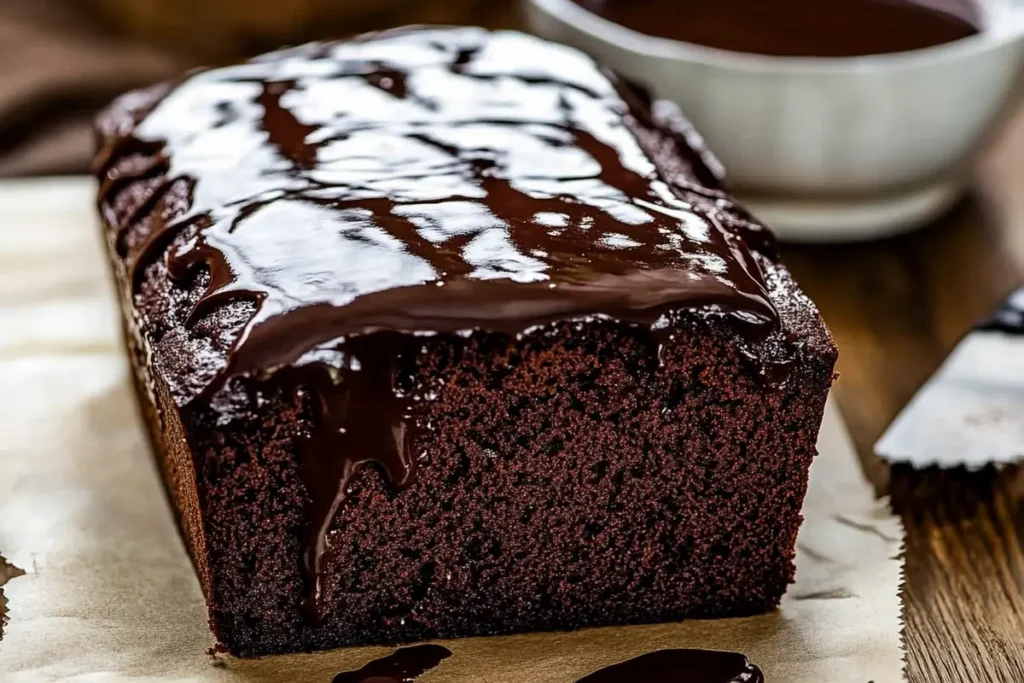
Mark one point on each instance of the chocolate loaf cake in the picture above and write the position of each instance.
(442, 332)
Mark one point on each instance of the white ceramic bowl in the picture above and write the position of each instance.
(826, 149)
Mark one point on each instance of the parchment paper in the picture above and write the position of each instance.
(110, 595)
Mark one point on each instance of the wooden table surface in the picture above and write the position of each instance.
(896, 308)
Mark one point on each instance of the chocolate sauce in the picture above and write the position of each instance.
(798, 28)
(680, 666)
(401, 666)
(365, 423)
(422, 182)
(1010, 316)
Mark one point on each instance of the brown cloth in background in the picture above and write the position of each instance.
(63, 60)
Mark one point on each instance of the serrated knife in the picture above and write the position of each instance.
(971, 412)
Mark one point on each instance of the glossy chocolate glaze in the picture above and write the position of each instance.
(680, 666)
(798, 28)
(1010, 316)
(401, 666)
(425, 182)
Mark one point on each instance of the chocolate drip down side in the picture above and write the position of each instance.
(362, 419)
(365, 193)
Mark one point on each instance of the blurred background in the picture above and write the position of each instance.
(62, 60)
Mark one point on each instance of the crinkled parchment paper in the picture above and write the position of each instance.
(109, 594)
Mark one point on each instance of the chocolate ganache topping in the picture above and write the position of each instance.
(423, 181)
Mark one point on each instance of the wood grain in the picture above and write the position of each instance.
(965, 572)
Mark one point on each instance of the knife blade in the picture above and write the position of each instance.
(971, 412)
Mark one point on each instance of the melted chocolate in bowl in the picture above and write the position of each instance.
(798, 28)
